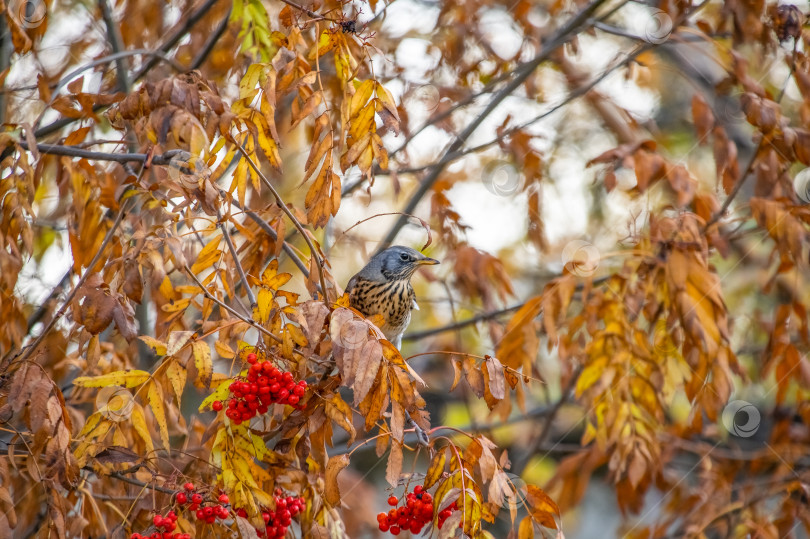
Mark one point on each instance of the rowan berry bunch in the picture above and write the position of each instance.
(413, 515)
(206, 510)
(277, 521)
(165, 526)
(263, 385)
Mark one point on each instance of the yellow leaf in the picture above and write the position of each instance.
(277, 281)
(265, 303)
(177, 377)
(526, 528)
(361, 97)
(387, 100)
(177, 339)
(339, 412)
(331, 490)
(155, 397)
(543, 509)
(139, 424)
(158, 346)
(220, 394)
(202, 361)
(175, 306)
(436, 468)
(224, 350)
(131, 378)
(208, 255)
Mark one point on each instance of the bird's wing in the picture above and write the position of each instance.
(414, 305)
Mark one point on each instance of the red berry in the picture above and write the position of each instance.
(417, 489)
(383, 526)
(299, 391)
(157, 521)
(189, 486)
(251, 358)
(293, 399)
(223, 499)
(196, 498)
(217, 406)
(394, 530)
(200, 514)
(135, 536)
(171, 515)
(182, 498)
(392, 500)
(211, 519)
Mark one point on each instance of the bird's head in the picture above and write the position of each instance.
(399, 262)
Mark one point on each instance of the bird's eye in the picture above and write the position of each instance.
(404, 257)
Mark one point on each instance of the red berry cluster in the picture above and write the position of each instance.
(165, 526)
(417, 511)
(276, 522)
(198, 505)
(264, 385)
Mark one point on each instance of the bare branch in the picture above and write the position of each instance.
(562, 36)
(313, 252)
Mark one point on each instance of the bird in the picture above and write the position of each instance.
(383, 287)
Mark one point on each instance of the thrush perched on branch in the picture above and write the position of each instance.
(384, 287)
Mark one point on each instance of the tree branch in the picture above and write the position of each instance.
(117, 44)
(27, 351)
(291, 217)
(237, 263)
(157, 54)
(561, 37)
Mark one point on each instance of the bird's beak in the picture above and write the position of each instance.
(427, 262)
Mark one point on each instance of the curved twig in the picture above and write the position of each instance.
(291, 217)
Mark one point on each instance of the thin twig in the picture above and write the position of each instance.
(314, 16)
(237, 263)
(560, 38)
(230, 309)
(117, 44)
(291, 217)
(171, 41)
(212, 40)
(157, 54)
(75, 151)
(737, 187)
(63, 309)
(519, 465)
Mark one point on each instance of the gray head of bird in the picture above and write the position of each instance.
(395, 263)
